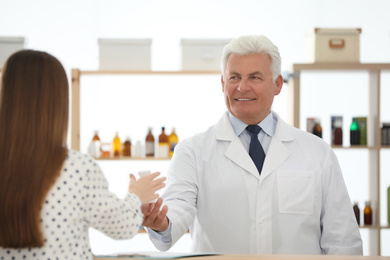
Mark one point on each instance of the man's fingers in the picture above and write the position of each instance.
(161, 217)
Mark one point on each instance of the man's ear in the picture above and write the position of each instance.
(222, 83)
(278, 84)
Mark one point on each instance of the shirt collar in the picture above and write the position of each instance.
(268, 125)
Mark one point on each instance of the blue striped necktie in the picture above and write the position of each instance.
(256, 151)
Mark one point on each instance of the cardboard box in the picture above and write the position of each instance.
(333, 45)
(202, 54)
(125, 54)
(9, 45)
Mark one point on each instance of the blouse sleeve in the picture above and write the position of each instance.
(117, 218)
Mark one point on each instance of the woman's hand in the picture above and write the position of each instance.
(146, 187)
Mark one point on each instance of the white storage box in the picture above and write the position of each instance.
(202, 54)
(9, 45)
(333, 45)
(125, 54)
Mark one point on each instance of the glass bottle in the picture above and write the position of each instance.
(138, 149)
(95, 146)
(116, 146)
(317, 129)
(367, 214)
(388, 205)
(354, 133)
(356, 210)
(173, 140)
(149, 143)
(163, 144)
(127, 147)
(338, 133)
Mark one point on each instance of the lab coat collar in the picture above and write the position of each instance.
(277, 152)
(236, 152)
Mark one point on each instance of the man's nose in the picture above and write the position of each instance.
(243, 86)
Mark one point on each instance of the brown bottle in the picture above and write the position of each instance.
(317, 129)
(367, 214)
(163, 144)
(127, 147)
(149, 143)
(356, 210)
(96, 137)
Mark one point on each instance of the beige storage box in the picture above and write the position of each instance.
(9, 45)
(202, 54)
(333, 45)
(125, 54)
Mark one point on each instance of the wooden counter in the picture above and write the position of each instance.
(268, 257)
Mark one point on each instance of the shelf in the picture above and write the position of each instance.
(123, 158)
(373, 70)
(384, 227)
(369, 227)
(364, 147)
(146, 72)
(76, 86)
(341, 66)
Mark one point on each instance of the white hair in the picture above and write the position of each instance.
(252, 44)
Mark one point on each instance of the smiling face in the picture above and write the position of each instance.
(248, 87)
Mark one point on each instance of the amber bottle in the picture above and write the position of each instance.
(116, 146)
(149, 143)
(367, 214)
(127, 147)
(163, 144)
(173, 140)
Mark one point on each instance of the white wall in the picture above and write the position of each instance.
(69, 30)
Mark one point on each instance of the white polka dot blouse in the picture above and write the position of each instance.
(79, 200)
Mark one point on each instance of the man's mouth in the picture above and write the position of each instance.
(245, 99)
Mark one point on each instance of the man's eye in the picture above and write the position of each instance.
(233, 77)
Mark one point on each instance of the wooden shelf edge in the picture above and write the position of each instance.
(356, 147)
(340, 66)
(143, 72)
(133, 159)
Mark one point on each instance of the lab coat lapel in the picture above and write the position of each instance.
(235, 151)
(277, 152)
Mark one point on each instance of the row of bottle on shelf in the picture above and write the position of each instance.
(368, 212)
(358, 130)
(116, 149)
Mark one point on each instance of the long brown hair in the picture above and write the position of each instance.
(34, 103)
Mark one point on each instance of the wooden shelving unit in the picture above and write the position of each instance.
(374, 147)
(75, 96)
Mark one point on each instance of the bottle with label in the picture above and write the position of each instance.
(367, 214)
(173, 140)
(317, 129)
(95, 146)
(116, 146)
(338, 131)
(149, 143)
(127, 147)
(354, 133)
(356, 210)
(163, 144)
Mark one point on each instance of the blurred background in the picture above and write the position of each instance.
(70, 31)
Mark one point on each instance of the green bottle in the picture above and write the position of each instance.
(388, 205)
(354, 133)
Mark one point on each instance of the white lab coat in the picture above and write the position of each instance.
(298, 205)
